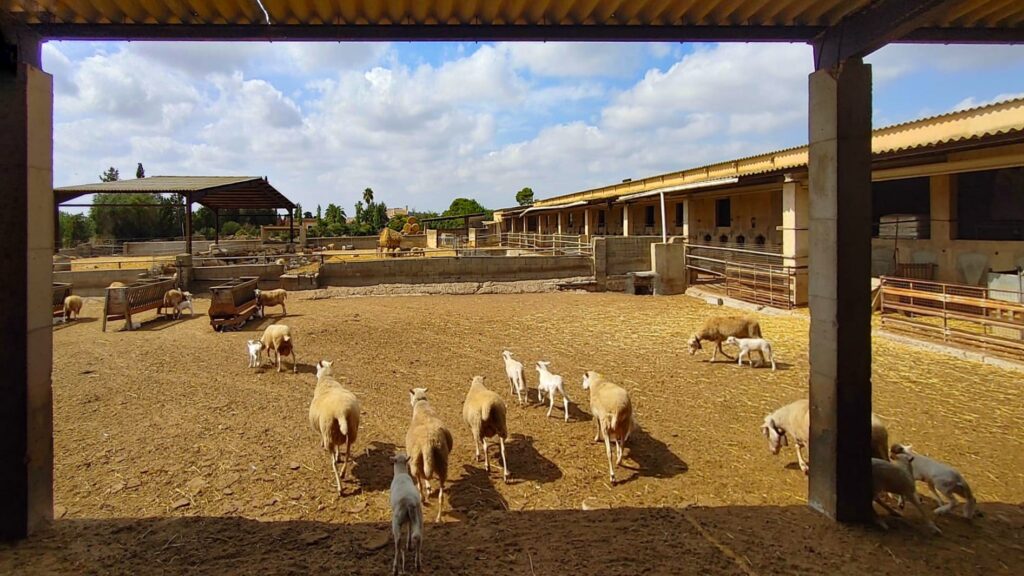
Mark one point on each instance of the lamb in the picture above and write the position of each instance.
(748, 345)
(277, 338)
(613, 415)
(894, 479)
(516, 378)
(718, 328)
(406, 510)
(255, 348)
(172, 298)
(334, 414)
(72, 307)
(185, 303)
(271, 298)
(428, 444)
(484, 413)
(549, 383)
(794, 419)
(942, 479)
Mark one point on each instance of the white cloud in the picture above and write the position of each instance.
(579, 59)
(897, 60)
(972, 102)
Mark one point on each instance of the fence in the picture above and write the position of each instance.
(553, 244)
(122, 263)
(970, 316)
(759, 276)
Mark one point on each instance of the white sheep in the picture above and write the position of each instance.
(266, 298)
(334, 414)
(407, 511)
(794, 419)
(895, 479)
(549, 383)
(613, 415)
(484, 413)
(428, 444)
(277, 338)
(942, 479)
(255, 348)
(72, 307)
(718, 328)
(185, 303)
(748, 345)
(516, 377)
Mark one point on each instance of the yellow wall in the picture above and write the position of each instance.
(764, 207)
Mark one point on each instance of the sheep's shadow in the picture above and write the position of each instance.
(373, 468)
(576, 414)
(526, 463)
(70, 323)
(652, 458)
(474, 492)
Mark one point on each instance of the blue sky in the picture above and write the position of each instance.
(423, 123)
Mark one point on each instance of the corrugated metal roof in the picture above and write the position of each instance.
(215, 192)
(159, 184)
(802, 17)
(982, 121)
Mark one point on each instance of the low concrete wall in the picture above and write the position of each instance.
(206, 276)
(441, 270)
(178, 246)
(957, 261)
(93, 282)
(365, 242)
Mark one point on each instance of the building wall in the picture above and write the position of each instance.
(752, 215)
(462, 269)
(958, 261)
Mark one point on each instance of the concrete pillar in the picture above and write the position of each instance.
(625, 219)
(26, 185)
(586, 222)
(183, 262)
(795, 235)
(685, 232)
(601, 261)
(839, 291)
(668, 262)
(431, 238)
(559, 221)
(943, 207)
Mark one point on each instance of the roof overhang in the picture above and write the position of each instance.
(214, 192)
(555, 207)
(679, 188)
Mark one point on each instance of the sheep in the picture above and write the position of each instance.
(718, 328)
(894, 479)
(172, 298)
(72, 307)
(255, 348)
(550, 383)
(794, 419)
(942, 479)
(613, 415)
(748, 345)
(516, 378)
(277, 338)
(271, 298)
(334, 414)
(484, 413)
(428, 444)
(406, 509)
(116, 284)
(185, 303)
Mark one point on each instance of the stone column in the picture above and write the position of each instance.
(795, 235)
(559, 221)
(625, 219)
(586, 222)
(839, 291)
(685, 232)
(943, 190)
(26, 185)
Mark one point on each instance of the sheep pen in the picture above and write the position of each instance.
(191, 460)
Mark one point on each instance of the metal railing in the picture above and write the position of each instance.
(759, 276)
(970, 316)
(551, 244)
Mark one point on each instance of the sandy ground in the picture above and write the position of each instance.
(172, 456)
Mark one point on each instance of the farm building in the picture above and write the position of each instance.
(947, 200)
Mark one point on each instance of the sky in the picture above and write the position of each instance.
(424, 123)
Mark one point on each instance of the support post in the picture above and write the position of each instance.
(58, 242)
(216, 226)
(625, 219)
(586, 222)
(664, 222)
(26, 163)
(291, 226)
(795, 234)
(839, 291)
(943, 201)
(685, 232)
(188, 223)
(559, 221)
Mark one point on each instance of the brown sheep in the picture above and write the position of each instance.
(718, 328)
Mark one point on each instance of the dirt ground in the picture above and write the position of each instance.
(172, 456)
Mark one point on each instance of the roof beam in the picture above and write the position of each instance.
(867, 30)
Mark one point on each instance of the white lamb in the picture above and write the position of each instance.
(185, 303)
(549, 383)
(407, 511)
(895, 479)
(942, 479)
(255, 348)
(748, 345)
(516, 377)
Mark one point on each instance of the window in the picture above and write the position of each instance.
(648, 215)
(990, 205)
(600, 218)
(723, 212)
(907, 196)
(680, 209)
(570, 219)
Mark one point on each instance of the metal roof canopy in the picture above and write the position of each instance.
(877, 21)
(214, 192)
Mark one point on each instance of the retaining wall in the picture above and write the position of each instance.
(205, 276)
(365, 242)
(463, 269)
(178, 246)
(93, 282)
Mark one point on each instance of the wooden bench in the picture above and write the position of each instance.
(125, 301)
(233, 302)
(61, 290)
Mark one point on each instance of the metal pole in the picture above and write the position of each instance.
(216, 226)
(188, 223)
(664, 225)
(291, 225)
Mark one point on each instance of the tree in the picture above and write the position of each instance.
(298, 212)
(307, 215)
(75, 229)
(525, 196)
(111, 175)
(464, 206)
(140, 172)
(141, 221)
(230, 228)
(334, 214)
(368, 196)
